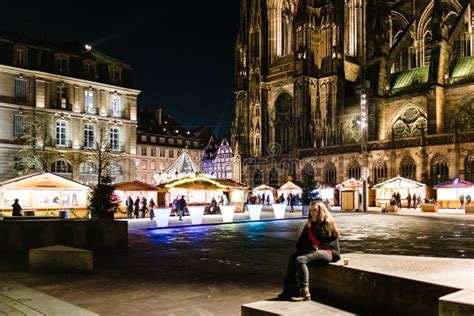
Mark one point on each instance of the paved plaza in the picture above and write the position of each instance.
(214, 269)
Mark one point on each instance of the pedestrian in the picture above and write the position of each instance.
(137, 207)
(399, 200)
(263, 198)
(409, 200)
(143, 205)
(181, 206)
(129, 204)
(461, 200)
(268, 199)
(213, 206)
(419, 200)
(291, 199)
(16, 211)
(288, 199)
(415, 201)
(468, 200)
(175, 206)
(282, 199)
(152, 205)
(318, 242)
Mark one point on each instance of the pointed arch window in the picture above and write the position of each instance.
(408, 168)
(354, 170)
(308, 172)
(330, 174)
(258, 177)
(379, 171)
(273, 178)
(469, 168)
(439, 169)
(427, 39)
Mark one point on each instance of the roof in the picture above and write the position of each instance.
(349, 184)
(183, 165)
(263, 187)
(454, 184)
(462, 67)
(203, 183)
(409, 77)
(289, 186)
(399, 183)
(43, 181)
(135, 186)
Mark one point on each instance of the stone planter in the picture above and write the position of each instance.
(255, 211)
(162, 216)
(227, 212)
(196, 213)
(469, 209)
(392, 208)
(279, 210)
(429, 208)
(305, 210)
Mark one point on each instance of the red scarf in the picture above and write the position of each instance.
(316, 242)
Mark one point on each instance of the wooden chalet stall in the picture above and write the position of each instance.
(135, 189)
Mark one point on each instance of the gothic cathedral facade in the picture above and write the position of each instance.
(301, 66)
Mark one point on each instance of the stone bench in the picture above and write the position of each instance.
(60, 259)
(385, 284)
(271, 308)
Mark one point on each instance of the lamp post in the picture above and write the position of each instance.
(363, 88)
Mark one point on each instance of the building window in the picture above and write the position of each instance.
(143, 138)
(380, 171)
(153, 165)
(61, 166)
(469, 168)
(408, 168)
(61, 133)
(439, 169)
(162, 140)
(257, 177)
(195, 144)
(153, 152)
(330, 174)
(144, 150)
(89, 103)
(88, 136)
(115, 106)
(114, 139)
(89, 70)
(61, 96)
(171, 141)
(180, 142)
(20, 56)
(354, 170)
(153, 139)
(162, 165)
(171, 153)
(20, 89)
(61, 64)
(143, 165)
(162, 153)
(18, 125)
(115, 171)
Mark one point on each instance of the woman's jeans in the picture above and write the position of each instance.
(302, 272)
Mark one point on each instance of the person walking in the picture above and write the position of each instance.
(468, 200)
(175, 206)
(318, 242)
(181, 206)
(137, 207)
(151, 206)
(268, 199)
(415, 201)
(143, 205)
(409, 200)
(461, 200)
(291, 199)
(263, 199)
(282, 199)
(16, 211)
(129, 204)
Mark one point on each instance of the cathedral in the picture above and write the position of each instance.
(326, 89)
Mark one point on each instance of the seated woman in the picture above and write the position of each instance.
(318, 243)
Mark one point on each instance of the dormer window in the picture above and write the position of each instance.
(90, 68)
(20, 55)
(115, 73)
(61, 63)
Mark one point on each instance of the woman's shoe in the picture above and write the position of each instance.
(304, 295)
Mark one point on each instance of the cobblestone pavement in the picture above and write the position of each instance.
(212, 270)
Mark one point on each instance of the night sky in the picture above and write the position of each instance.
(181, 52)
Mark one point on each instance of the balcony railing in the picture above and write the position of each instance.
(91, 110)
(116, 114)
(62, 143)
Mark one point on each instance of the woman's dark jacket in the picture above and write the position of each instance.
(320, 231)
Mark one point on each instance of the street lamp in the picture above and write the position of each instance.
(363, 88)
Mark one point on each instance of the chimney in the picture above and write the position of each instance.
(158, 115)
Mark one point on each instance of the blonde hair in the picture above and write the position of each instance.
(323, 216)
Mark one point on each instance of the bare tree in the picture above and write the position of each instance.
(34, 155)
(102, 152)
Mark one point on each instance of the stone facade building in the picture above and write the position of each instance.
(217, 159)
(302, 66)
(160, 140)
(77, 89)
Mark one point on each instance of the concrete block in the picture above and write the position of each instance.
(272, 308)
(60, 259)
(469, 209)
(458, 303)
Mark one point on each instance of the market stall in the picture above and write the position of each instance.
(288, 188)
(183, 167)
(449, 193)
(265, 190)
(385, 190)
(135, 189)
(201, 190)
(350, 194)
(44, 194)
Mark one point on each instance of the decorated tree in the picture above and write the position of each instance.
(103, 202)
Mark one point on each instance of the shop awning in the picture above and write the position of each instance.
(454, 184)
(135, 186)
(43, 181)
(399, 183)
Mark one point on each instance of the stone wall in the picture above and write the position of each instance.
(18, 235)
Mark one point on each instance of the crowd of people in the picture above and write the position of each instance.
(140, 207)
(412, 200)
